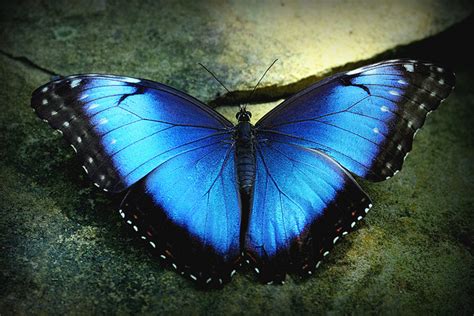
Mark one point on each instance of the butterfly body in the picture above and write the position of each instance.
(245, 152)
(207, 195)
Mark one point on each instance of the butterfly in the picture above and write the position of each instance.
(207, 195)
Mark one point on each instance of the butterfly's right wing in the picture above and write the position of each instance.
(365, 119)
(303, 203)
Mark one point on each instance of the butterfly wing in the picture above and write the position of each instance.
(175, 153)
(188, 210)
(303, 203)
(122, 128)
(366, 118)
(362, 121)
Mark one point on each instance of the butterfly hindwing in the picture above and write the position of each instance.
(303, 203)
(188, 210)
(366, 118)
(122, 128)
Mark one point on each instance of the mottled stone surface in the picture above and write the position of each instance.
(166, 40)
(63, 248)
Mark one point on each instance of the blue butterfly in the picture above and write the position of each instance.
(207, 195)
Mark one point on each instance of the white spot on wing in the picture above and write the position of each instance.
(409, 67)
(75, 83)
(393, 92)
(355, 71)
(384, 108)
(376, 130)
(44, 102)
(44, 89)
(131, 80)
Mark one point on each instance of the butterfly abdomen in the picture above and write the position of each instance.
(245, 156)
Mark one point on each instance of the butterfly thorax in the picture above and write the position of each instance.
(245, 152)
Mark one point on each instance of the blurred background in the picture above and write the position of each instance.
(63, 248)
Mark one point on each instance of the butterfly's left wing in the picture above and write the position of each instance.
(173, 151)
(188, 211)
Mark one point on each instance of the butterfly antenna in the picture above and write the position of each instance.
(255, 88)
(213, 75)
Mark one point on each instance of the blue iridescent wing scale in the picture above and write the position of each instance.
(188, 210)
(366, 118)
(303, 203)
(167, 147)
(363, 122)
(122, 128)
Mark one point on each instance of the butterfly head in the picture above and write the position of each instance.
(243, 115)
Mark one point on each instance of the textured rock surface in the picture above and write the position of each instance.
(63, 247)
(237, 40)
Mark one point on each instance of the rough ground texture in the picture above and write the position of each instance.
(63, 248)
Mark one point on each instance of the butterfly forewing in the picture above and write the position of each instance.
(366, 118)
(122, 128)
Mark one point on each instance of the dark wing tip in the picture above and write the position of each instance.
(426, 86)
